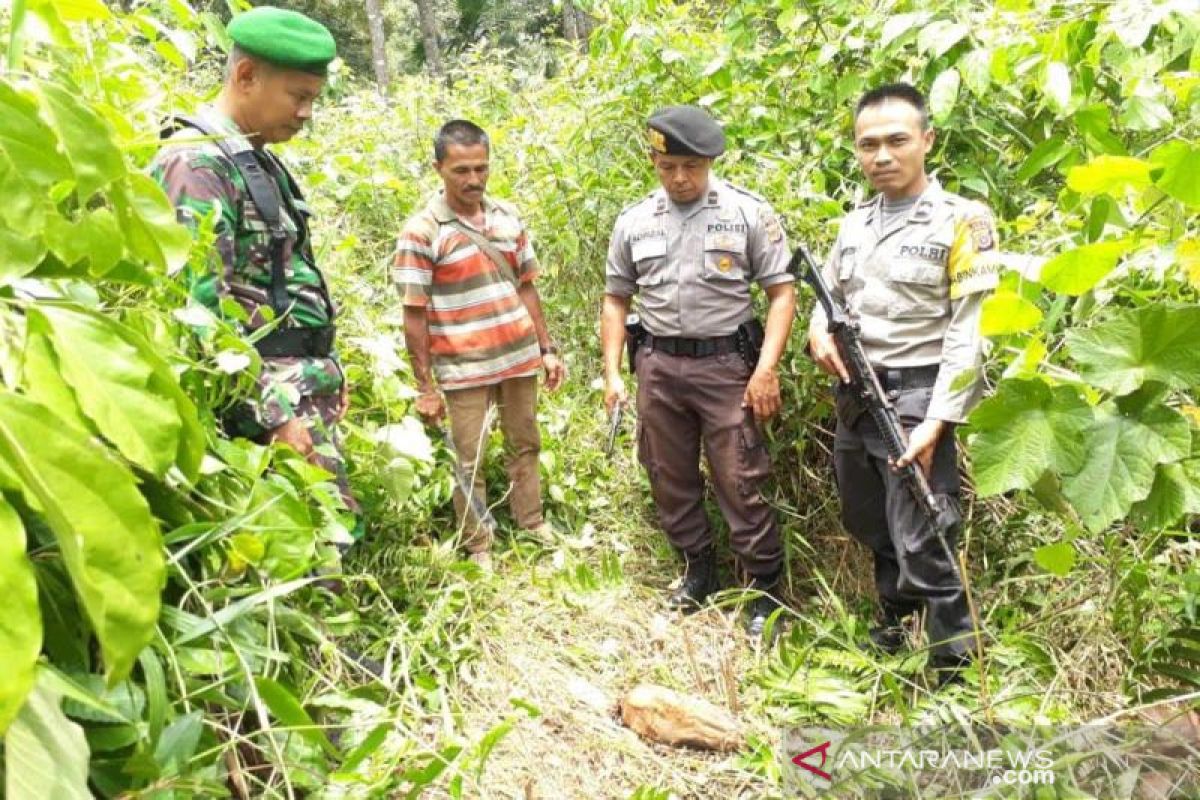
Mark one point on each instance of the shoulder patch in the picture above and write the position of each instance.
(974, 263)
(771, 224)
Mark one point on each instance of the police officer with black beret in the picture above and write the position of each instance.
(706, 369)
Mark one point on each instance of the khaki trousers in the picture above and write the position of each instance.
(516, 400)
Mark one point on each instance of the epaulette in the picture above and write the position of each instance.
(637, 203)
(758, 198)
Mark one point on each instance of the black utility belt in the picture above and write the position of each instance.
(897, 379)
(693, 348)
(310, 342)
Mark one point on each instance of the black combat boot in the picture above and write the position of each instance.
(888, 637)
(762, 607)
(699, 581)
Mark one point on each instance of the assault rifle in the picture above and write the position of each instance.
(941, 514)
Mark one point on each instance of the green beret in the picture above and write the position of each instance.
(284, 38)
(685, 131)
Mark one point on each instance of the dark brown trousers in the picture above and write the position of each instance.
(682, 403)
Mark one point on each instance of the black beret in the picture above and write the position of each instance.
(685, 131)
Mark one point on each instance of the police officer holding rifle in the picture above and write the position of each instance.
(898, 324)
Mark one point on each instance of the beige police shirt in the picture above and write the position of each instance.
(917, 290)
(692, 267)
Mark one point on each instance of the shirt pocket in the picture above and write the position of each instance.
(917, 290)
(724, 257)
(649, 258)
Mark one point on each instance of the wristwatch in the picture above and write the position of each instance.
(550, 350)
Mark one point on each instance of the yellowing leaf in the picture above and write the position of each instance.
(21, 622)
(1076, 271)
(1006, 312)
(1109, 175)
(1187, 253)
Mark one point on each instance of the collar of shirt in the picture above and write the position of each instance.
(443, 213)
(711, 199)
(922, 210)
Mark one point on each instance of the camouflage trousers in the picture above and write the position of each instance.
(308, 389)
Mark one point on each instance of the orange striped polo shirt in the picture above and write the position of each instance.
(479, 330)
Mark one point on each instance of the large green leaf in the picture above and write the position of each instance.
(944, 94)
(28, 141)
(1094, 122)
(148, 221)
(1025, 429)
(1176, 491)
(95, 158)
(42, 380)
(1007, 312)
(192, 442)
(25, 202)
(94, 236)
(20, 254)
(109, 541)
(1076, 271)
(111, 382)
(45, 754)
(21, 622)
(1109, 175)
(1152, 343)
(1127, 441)
(286, 526)
(1181, 171)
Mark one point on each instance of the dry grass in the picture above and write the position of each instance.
(571, 647)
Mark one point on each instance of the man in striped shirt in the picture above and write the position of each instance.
(473, 321)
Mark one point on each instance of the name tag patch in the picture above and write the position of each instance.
(934, 253)
(649, 248)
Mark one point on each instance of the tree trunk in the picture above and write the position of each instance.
(378, 45)
(570, 29)
(577, 24)
(429, 36)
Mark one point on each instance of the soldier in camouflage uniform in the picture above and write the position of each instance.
(275, 72)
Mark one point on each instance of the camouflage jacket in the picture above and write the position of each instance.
(202, 181)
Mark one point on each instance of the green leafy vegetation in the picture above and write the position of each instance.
(166, 634)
